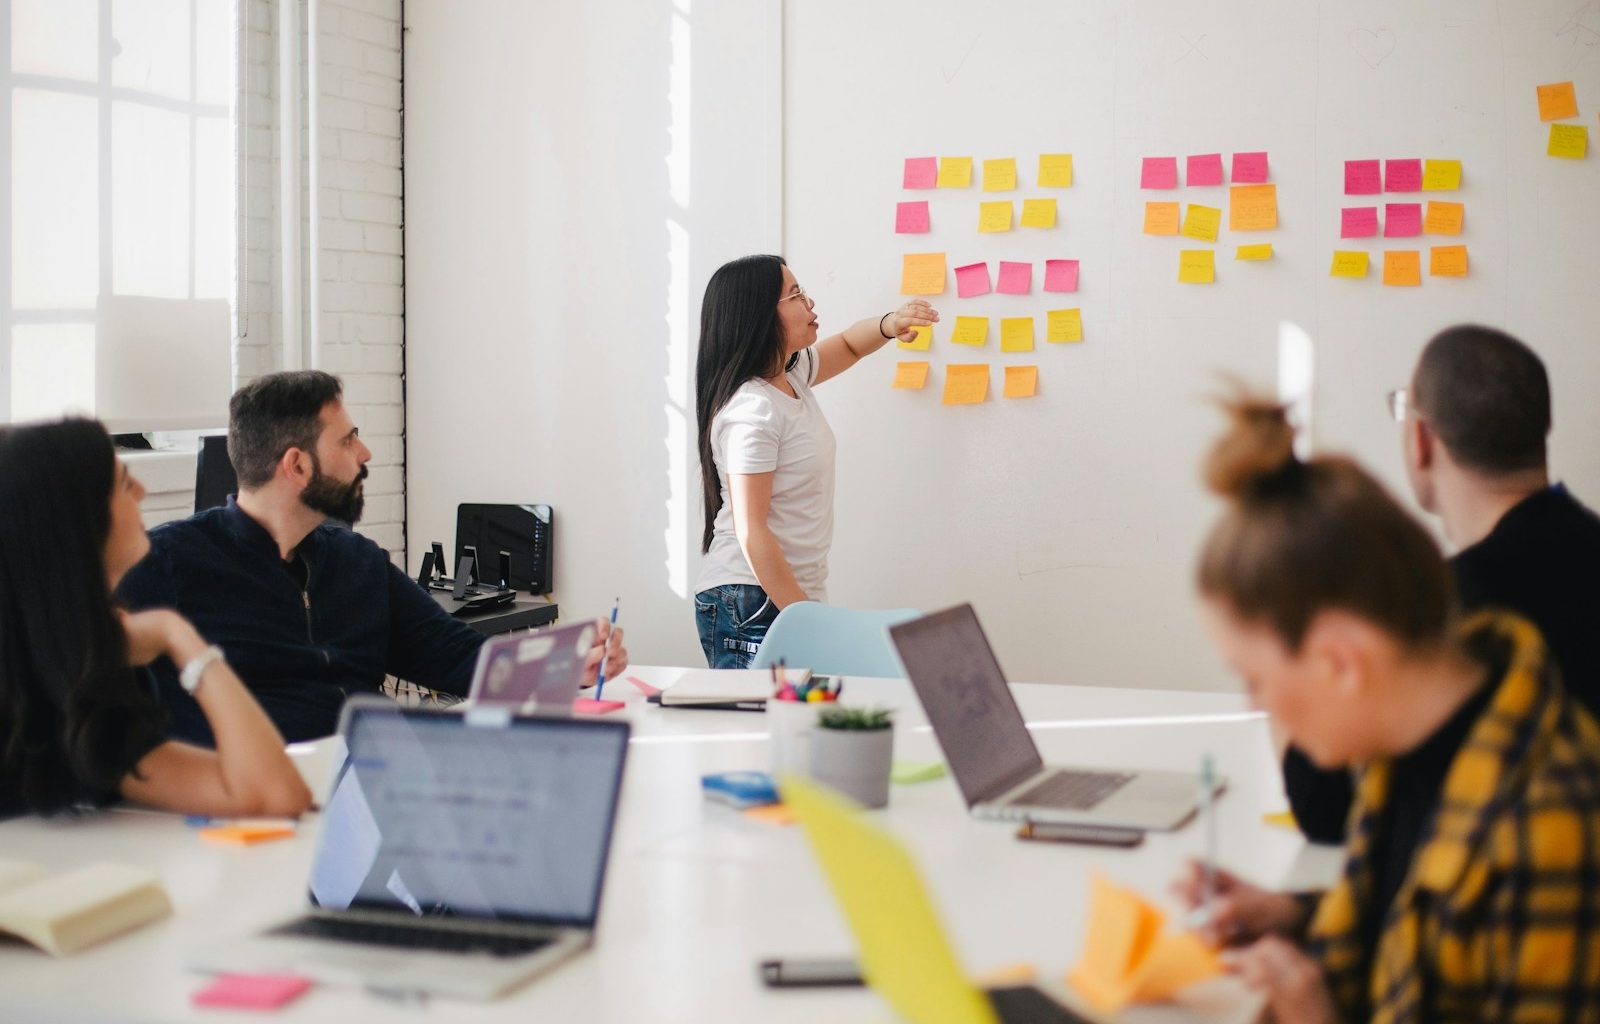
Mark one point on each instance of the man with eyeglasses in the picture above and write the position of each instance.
(1474, 423)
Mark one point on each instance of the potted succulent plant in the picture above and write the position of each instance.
(852, 750)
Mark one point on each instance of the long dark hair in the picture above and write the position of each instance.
(740, 338)
(70, 707)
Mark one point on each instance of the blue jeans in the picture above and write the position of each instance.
(732, 620)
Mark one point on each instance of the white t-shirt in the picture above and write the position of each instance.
(763, 430)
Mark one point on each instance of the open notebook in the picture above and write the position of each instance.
(720, 688)
(62, 914)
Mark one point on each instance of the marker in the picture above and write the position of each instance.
(600, 676)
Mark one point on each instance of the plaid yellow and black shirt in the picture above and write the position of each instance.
(1498, 917)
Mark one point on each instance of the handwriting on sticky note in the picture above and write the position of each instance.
(1556, 101)
(1201, 222)
(1161, 218)
(966, 383)
(970, 330)
(1038, 213)
(1254, 252)
(1197, 266)
(1447, 261)
(1402, 175)
(1159, 172)
(910, 376)
(955, 171)
(1021, 382)
(1060, 275)
(1249, 168)
(911, 218)
(972, 280)
(922, 273)
(921, 172)
(1348, 264)
(1441, 175)
(994, 216)
(1129, 957)
(1443, 218)
(920, 341)
(1016, 334)
(1402, 267)
(1568, 141)
(1252, 208)
(1055, 170)
(1204, 169)
(1063, 325)
(1000, 175)
(1361, 178)
(1402, 220)
(1015, 278)
(1358, 222)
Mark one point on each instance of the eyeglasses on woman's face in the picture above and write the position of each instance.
(798, 293)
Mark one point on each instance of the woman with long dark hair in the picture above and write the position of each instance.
(766, 452)
(79, 722)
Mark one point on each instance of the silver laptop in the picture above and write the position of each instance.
(953, 669)
(537, 672)
(459, 855)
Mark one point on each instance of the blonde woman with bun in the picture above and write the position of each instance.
(1471, 889)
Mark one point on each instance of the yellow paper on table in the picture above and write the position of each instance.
(1556, 101)
(1021, 382)
(1064, 325)
(1281, 819)
(1447, 261)
(955, 172)
(966, 383)
(1441, 175)
(1569, 141)
(1127, 958)
(1443, 218)
(1160, 218)
(922, 273)
(1254, 252)
(910, 376)
(921, 340)
(994, 216)
(1016, 334)
(1402, 267)
(1348, 264)
(1202, 222)
(1038, 213)
(971, 330)
(1252, 207)
(1055, 170)
(1000, 175)
(1197, 266)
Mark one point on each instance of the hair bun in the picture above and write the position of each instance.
(1257, 449)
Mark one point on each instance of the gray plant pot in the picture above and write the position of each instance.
(855, 762)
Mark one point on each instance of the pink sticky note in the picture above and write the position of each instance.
(590, 706)
(1205, 169)
(972, 279)
(1159, 172)
(1402, 220)
(1402, 175)
(1060, 275)
(1249, 168)
(921, 172)
(1358, 222)
(1015, 278)
(644, 687)
(1361, 178)
(252, 991)
(911, 218)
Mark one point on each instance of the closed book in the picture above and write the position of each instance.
(68, 912)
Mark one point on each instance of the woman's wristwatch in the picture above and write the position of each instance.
(189, 678)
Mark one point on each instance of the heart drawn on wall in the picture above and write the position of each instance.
(1372, 47)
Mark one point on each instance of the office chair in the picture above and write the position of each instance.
(834, 641)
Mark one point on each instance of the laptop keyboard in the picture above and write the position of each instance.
(1073, 791)
(1027, 1005)
(439, 940)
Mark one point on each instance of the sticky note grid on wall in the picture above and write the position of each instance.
(1252, 206)
(1405, 218)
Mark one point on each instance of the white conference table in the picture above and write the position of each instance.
(696, 893)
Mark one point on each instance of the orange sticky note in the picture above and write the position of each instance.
(1064, 325)
(1443, 218)
(1556, 101)
(1021, 382)
(910, 376)
(771, 814)
(1016, 334)
(1160, 218)
(1447, 261)
(922, 273)
(245, 835)
(966, 383)
(1348, 264)
(1128, 959)
(1252, 207)
(1402, 267)
(921, 340)
(1197, 266)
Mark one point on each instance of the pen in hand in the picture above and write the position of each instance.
(600, 673)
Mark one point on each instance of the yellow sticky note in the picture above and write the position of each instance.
(921, 340)
(994, 216)
(1021, 382)
(970, 330)
(1570, 141)
(1160, 218)
(1016, 334)
(1038, 213)
(1447, 261)
(922, 273)
(1201, 222)
(1402, 267)
(1064, 325)
(910, 376)
(1000, 175)
(1197, 266)
(1252, 207)
(1556, 101)
(955, 172)
(1348, 264)
(1281, 819)
(1441, 175)
(1055, 170)
(1254, 252)
(1443, 218)
(966, 383)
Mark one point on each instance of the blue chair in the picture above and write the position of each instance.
(834, 641)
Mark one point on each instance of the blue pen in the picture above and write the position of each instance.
(600, 677)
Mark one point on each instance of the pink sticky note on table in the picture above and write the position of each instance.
(1358, 222)
(1361, 178)
(644, 687)
(1402, 175)
(1205, 169)
(1249, 168)
(1060, 275)
(972, 279)
(911, 218)
(1159, 172)
(921, 172)
(1402, 220)
(590, 706)
(252, 991)
(1015, 278)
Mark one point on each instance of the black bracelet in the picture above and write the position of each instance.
(881, 319)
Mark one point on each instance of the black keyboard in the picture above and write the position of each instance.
(1073, 791)
(399, 936)
(1027, 1005)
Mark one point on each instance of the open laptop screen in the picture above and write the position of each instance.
(434, 814)
(954, 671)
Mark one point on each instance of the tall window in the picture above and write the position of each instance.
(116, 200)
